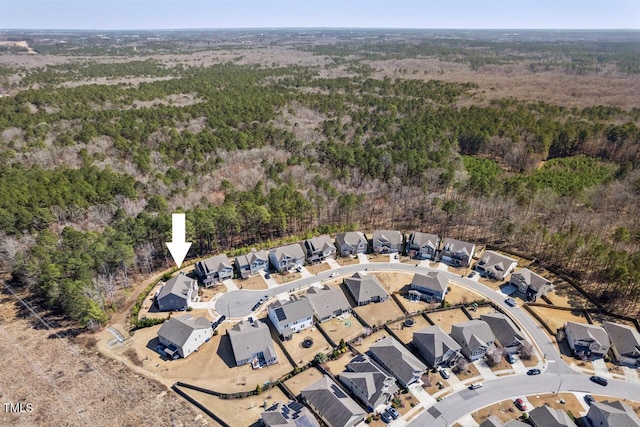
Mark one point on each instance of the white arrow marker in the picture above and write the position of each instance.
(178, 247)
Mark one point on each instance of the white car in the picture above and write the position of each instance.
(474, 386)
(333, 275)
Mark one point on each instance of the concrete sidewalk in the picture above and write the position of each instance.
(363, 259)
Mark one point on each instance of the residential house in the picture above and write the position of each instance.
(184, 334)
(286, 258)
(474, 337)
(457, 253)
(387, 241)
(365, 288)
(432, 286)
(351, 243)
(422, 245)
(251, 343)
(505, 331)
(494, 421)
(496, 265)
(291, 317)
(332, 404)
(612, 414)
(212, 271)
(369, 383)
(436, 346)
(625, 344)
(291, 414)
(252, 263)
(318, 249)
(327, 302)
(546, 416)
(587, 341)
(396, 359)
(177, 293)
(529, 284)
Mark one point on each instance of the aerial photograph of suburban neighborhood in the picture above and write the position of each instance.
(320, 213)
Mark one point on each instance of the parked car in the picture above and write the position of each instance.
(589, 399)
(333, 274)
(299, 269)
(393, 412)
(533, 372)
(475, 385)
(599, 380)
(386, 417)
(511, 302)
(267, 276)
(256, 306)
(510, 358)
(520, 404)
(444, 374)
(472, 274)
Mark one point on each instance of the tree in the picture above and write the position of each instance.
(320, 358)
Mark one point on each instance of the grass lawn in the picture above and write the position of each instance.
(571, 402)
(254, 283)
(470, 372)
(530, 363)
(434, 379)
(461, 295)
(393, 282)
(503, 365)
(347, 261)
(281, 279)
(480, 311)
(318, 268)
(556, 318)
(505, 411)
(338, 365)
(378, 313)
(416, 306)
(407, 260)
(363, 345)
(379, 257)
(303, 379)
(404, 333)
(342, 329)
(302, 355)
(565, 295)
(446, 318)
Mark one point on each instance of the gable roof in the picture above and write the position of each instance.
(248, 339)
(494, 261)
(252, 256)
(392, 236)
(458, 246)
(434, 280)
(549, 417)
(617, 414)
(326, 300)
(292, 311)
(320, 243)
(351, 238)
(625, 339)
(531, 279)
(474, 333)
(178, 285)
(402, 364)
(364, 287)
(214, 264)
(291, 414)
(585, 332)
(505, 331)
(332, 403)
(370, 378)
(424, 239)
(293, 251)
(178, 329)
(436, 340)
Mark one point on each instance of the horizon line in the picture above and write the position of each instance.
(320, 28)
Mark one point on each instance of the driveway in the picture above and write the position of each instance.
(601, 368)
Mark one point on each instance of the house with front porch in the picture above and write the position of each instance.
(387, 241)
(496, 265)
(422, 245)
(287, 258)
(474, 336)
(530, 285)
(252, 263)
(457, 253)
(587, 341)
(318, 249)
(351, 243)
(625, 344)
(213, 271)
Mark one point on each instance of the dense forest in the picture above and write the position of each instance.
(91, 172)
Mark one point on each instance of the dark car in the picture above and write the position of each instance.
(599, 380)
(222, 319)
(444, 374)
(257, 306)
(510, 358)
(267, 276)
(393, 412)
(533, 372)
(511, 302)
(589, 399)
(386, 417)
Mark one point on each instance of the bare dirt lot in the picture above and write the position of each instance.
(282, 279)
(303, 379)
(318, 268)
(565, 295)
(461, 295)
(378, 313)
(393, 282)
(302, 355)
(363, 345)
(404, 333)
(347, 261)
(446, 318)
(481, 310)
(505, 411)
(253, 283)
(571, 402)
(557, 318)
(346, 329)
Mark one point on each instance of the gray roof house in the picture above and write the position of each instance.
(365, 288)
(432, 286)
(327, 302)
(387, 241)
(252, 263)
(612, 414)
(474, 336)
(494, 421)
(422, 245)
(529, 284)
(351, 243)
(436, 346)
(457, 253)
(287, 258)
(177, 293)
(546, 416)
(496, 265)
(291, 317)
(332, 404)
(396, 359)
(369, 383)
(588, 341)
(251, 343)
(505, 331)
(292, 414)
(214, 270)
(182, 335)
(625, 344)
(317, 249)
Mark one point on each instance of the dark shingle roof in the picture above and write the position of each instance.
(436, 340)
(178, 285)
(549, 417)
(214, 264)
(433, 280)
(248, 339)
(625, 338)
(291, 414)
(293, 310)
(503, 328)
(364, 287)
(178, 329)
(397, 359)
(617, 414)
(325, 301)
(531, 279)
(332, 403)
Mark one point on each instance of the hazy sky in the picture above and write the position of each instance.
(169, 14)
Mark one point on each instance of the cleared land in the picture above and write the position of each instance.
(378, 313)
(303, 379)
(446, 318)
(339, 365)
(556, 319)
(405, 333)
(481, 310)
(393, 282)
(302, 355)
(461, 295)
(346, 329)
(565, 295)
(363, 345)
